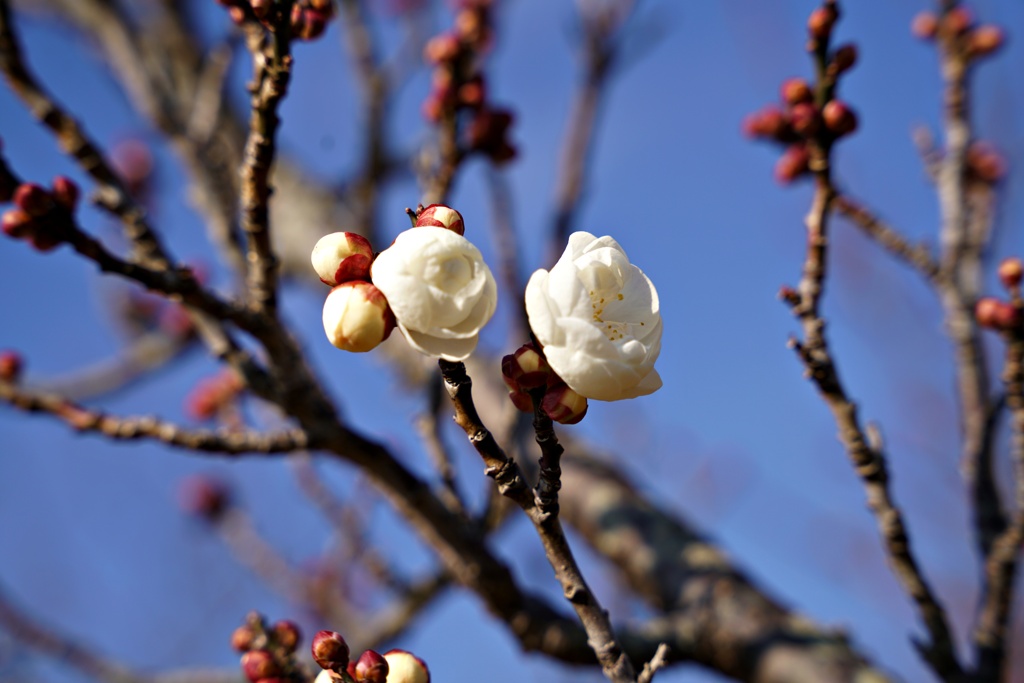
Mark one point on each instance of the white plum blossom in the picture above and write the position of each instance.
(441, 291)
(597, 317)
(405, 667)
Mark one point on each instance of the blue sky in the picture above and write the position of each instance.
(91, 535)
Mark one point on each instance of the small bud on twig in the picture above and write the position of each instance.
(1010, 272)
(371, 667)
(330, 651)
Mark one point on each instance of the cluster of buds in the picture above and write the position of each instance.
(331, 653)
(531, 381)
(999, 315)
(958, 32)
(458, 84)
(356, 315)
(268, 652)
(213, 396)
(204, 497)
(41, 216)
(808, 115)
(11, 365)
(308, 19)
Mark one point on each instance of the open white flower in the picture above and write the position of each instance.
(440, 289)
(598, 319)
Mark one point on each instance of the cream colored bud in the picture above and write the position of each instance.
(357, 316)
(341, 257)
(405, 667)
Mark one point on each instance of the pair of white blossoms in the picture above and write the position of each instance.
(595, 314)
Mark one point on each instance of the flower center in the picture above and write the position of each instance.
(450, 274)
(612, 329)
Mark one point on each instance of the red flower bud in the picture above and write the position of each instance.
(65, 191)
(796, 91)
(33, 199)
(525, 369)
(472, 93)
(441, 216)
(11, 366)
(261, 8)
(792, 164)
(957, 20)
(258, 665)
(242, 639)
(564, 405)
(132, 157)
(821, 21)
(805, 120)
(442, 48)
(845, 57)
(330, 651)
(1010, 272)
(16, 223)
(985, 163)
(925, 26)
(770, 122)
(995, 314)
(287, 635)
(488, 131)
(839, 118)
(985, 40)
(371, 667)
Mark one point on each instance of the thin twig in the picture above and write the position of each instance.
(918, 256)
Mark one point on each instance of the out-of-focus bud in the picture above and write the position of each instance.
(261, 8)
(65, 191)
(796, 91)
(839, 118)
(258, 665)
(957, 20)
(11, 365)
(804, 119)
(33, 199)
(472, 93)
(242, 638)
(287, 635)
(310, 24)
(769, 122)
(995, 314)
(237, 15)
(212, 394)
(925, 26)
(985, 162)
(985, 40)
(442, 48)
(525, 369)
(204, 497)
(341, 257)
(371, 667)
(564, 405)
(330, 651)
(1010, 272)
(16, 223)
(326, 6)
(845, 57)
(488, 133)
(357, 317)
(821, 21)
(789, 295)
(133, 159)
(441, 216)
(405, 667)
(792, 164)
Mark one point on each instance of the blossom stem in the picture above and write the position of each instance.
(545, 493)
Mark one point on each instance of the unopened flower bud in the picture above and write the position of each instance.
(204, 497)
(16, 223)
(796, 91)
(442, 48)
(287, 635)
(371, 668)
(844, 58)
(237, 15)
(821, 21)
(357, 317)
(405, 667)
(33, 199)
(985, 40)
(804, 119)
(985, 162)
(65, 191)
(564, 405)
(769, 122)
(925, 26)
(839, 118)
(330, 651)
(342, 257)
(792, 164)
(995, 314)
(525, 369)
(472, 93)
(325, 6)
(132, 157)
(488, 133)
(1010, 272)
(261, 8)
(957, 20)
(242, 638)
(10, 366)
(441, 216)
(258, 665)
